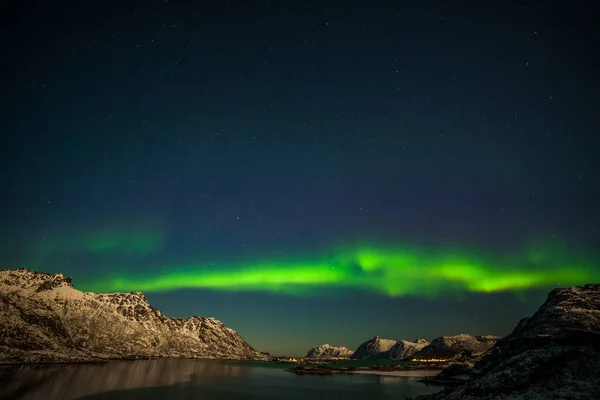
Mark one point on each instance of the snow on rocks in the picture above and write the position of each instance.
(45, 319)
(327, 351)
(554, 354)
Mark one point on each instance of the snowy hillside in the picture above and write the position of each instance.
(373, 348)
(327, 351)
(463, 345)
(555, 354)
(404, 349)
(44, 319)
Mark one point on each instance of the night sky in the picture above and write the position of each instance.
(307, 172)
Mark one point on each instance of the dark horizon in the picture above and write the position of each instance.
(306, 172)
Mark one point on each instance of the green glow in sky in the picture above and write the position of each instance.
(126, 242)
(390, 271)
(139, 242)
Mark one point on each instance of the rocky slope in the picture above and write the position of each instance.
(450, 347)
(555, 354)
(327, 351)
(373, 348)
(44, 319)
(404, 349)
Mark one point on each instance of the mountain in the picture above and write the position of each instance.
(404, 349)
(373, 348)
(327, 351)
(463, 345)
(555, 354)
(44, 319)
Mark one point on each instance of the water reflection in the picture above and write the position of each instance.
(175, 379)
(71, 382)
(387, 379)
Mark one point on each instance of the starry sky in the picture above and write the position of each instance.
(308, 172)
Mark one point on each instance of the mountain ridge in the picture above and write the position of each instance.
(403, 349)
(456, 346)
(554, 354)
(328, 351)
(375, 347)
(48, 320)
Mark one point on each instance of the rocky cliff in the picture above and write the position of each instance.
(327, 351)
(555, 354)
(44, 319)
(373, 348)
(463, 345)
(404, 349)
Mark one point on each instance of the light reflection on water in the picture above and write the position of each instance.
(175, 379)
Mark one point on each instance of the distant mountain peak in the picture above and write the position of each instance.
(373, 348)
(404, 349)
(456, 346)
(328, 351)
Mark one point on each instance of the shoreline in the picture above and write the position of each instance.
(418, 370)
(17, 365)
(421, 373)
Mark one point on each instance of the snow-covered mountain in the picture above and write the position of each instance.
(463, 345)
(327, 351)
(373, 348)
(555, 354)
(44, 319)
(404, 349)
(444, 347)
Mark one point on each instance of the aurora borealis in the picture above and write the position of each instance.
(387, 271)
(306, 172)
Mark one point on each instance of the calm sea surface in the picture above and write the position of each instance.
(175, 379)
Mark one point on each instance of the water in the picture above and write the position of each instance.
(179, 379)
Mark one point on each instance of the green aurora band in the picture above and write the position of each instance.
(124, 242)
(389, 271)
(141, 242)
